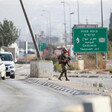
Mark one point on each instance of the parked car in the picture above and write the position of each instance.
(7, 59)
(2, 70)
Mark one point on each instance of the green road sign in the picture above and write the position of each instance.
(90, 39)
(42, 46)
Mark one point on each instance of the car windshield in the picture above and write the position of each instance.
(6, 57)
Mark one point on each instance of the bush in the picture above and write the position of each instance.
(102, 64)
(89, 64)
(110, 71)
(110, 55)
(54, 59)
(27, 58)
(100, 85)
(73, 66)
(94, 84)
(57, 67)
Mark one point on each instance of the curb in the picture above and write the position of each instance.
(58, 88)
(90, 76)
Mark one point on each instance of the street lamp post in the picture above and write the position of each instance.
(65, 33)
(49, 25)
(70, 26)
(70, 14)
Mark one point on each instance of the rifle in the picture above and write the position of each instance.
(68, 60)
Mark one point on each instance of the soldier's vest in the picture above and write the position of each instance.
(60, 58)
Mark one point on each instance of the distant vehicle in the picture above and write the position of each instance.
(8, 60)
(2, 70)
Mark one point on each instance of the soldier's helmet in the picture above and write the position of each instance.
(64, 50)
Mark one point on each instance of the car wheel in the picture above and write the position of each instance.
(3, 78)
(12, 76)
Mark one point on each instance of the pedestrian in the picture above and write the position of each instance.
(64, 62)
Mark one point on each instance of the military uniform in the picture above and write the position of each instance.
(63, 61)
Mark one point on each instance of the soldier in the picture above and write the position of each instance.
(63, 61)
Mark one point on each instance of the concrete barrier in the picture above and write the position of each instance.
(108, 64)
(41, 69)
(96, 104)
(81, 64)
(111, 101)
(101, 104)
(78, 108)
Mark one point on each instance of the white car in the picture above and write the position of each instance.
(7, 59)
(2, 70)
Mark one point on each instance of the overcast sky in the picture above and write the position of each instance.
(89, 12)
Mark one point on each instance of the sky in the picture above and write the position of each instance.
(45, 13)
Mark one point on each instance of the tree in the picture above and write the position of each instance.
(1, 40)
(8, 33)
(110, 34)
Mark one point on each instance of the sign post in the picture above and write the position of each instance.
(90, 40)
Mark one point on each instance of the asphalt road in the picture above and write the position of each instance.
(16, 95)
(19, 96)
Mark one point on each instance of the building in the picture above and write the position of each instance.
(13, 48)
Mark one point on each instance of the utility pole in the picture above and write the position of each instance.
(102, 27)
(102, 24)
(31, 32)
(101, 14)
(86, 21)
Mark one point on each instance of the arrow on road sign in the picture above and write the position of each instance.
(77, 40)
